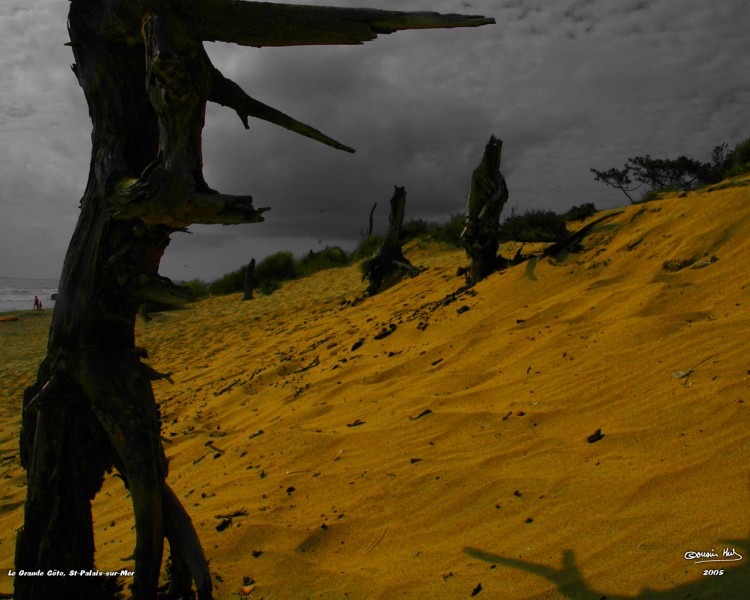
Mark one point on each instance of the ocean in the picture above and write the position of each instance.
(18, 294)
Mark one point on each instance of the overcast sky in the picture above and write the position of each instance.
(567, 85)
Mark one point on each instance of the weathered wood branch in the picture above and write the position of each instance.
(226, 92)
(262, 24)
(372, 212)
(487, 197)
(184, 542)
(165, 199)
(160, 290)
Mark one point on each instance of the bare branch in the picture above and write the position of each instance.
(163, 200)
(262, 24)
(161, 290)
(227, 93)
(184, 542)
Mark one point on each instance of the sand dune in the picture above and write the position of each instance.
(431, 442)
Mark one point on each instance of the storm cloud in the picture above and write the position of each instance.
(568, 86)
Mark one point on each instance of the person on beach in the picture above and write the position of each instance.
(37, 303)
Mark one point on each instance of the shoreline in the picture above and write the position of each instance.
(26, 312)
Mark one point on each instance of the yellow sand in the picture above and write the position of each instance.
(349, 492)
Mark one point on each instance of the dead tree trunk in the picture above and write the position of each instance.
(249, 284)
(146, 79)
(487, 198)
(390, 259)
(392, 241)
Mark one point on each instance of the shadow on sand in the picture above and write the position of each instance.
(734, 583)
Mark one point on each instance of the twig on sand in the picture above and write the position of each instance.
(686, 374)
(314, 363)
(376, 541)
(214, 448)
(237, 513)
(226, 389)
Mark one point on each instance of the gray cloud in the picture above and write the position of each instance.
(568, 86)
(44, 135)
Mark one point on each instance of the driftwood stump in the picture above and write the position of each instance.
(390, 259)
(249, 284)
(146, 78)
(487, 197)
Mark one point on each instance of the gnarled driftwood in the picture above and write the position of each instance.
(389, 259)
(146, 78)
(487, 197)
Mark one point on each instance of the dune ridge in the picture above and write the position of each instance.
(431, 441)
